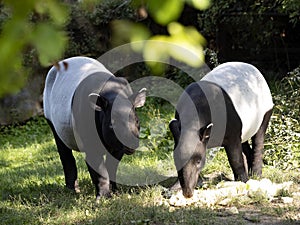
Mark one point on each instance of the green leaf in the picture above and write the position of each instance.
(166, 11)
(12, 39)
(184, 44)
(126, 31)
(20, 8)
(199, 4)
(57, 11)
(49, 43)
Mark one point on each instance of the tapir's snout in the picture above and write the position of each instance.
(188, 193)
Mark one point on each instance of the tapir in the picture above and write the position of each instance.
(227, 107)
(92, 111)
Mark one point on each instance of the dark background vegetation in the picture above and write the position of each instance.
(258, 32)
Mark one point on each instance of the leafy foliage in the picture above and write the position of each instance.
(291, 8)
(261, 32)
(155, 133)
(106, 11)
(283, 140)
(38, 27)
(166, 11)
(250, 11)
(24, 24)
(182, 43)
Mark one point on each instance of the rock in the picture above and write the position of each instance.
(225, 202)
(226, 191)
(232, 210)
(287, 200)
(295, 194)
(23, 105)
(179, 200)
(266, 188)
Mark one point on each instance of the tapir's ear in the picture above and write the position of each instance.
(138, 99)
(174, 128)
(204, 132)
(98, 102)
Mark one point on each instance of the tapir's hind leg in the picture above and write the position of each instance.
(258, 146)
(67, 160)
(248, 153)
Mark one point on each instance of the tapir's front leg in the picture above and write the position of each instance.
(99, 176)
(236, 161)
(112, 162)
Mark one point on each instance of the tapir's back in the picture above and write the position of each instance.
(248, 91)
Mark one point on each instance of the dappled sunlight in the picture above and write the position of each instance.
(32, 185)
(142, 171)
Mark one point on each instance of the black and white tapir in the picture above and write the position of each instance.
(81, 99)
(227, 107)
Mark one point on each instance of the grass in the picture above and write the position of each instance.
(32, 182)
(32, 189)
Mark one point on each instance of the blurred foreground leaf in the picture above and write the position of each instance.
(165, 11)
(199, 4)
(183, 43)
(19, 33)
(48, 42)
(126, 31)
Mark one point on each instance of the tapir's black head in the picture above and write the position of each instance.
(116, 120)
(189, 154)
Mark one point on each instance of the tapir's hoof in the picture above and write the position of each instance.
(243, 177)
(74, 187)
(103, 194)
(77, 190)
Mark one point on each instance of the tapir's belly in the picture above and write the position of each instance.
(248, 91)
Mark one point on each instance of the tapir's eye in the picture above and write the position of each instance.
(198, 163)
(111, 125)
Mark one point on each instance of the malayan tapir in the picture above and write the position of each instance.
(91, 110)
(227, 107)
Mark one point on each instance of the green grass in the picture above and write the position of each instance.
(32, 188)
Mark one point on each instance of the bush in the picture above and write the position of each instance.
(89, 28)
(261, 32)
(283, 136)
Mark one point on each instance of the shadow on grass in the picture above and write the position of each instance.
(45, 201)
(33, 192)
(136, 211)
(20, 135)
